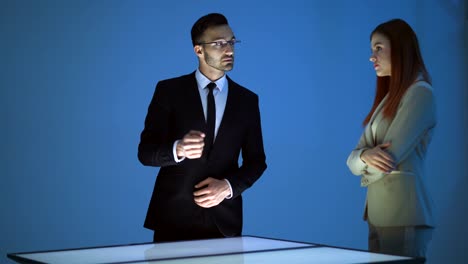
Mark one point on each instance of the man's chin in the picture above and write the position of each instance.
(228, 67)
(223, 67)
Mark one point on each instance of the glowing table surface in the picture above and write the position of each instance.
(237, 250)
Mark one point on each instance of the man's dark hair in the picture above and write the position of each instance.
(205, 22)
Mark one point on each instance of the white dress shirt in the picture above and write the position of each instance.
(220, 94)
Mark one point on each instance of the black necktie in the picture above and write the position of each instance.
(210, 118)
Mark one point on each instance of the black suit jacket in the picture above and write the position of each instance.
(175, 110)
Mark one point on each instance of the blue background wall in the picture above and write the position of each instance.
(76, 78)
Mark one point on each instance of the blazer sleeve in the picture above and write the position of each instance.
(155, 148)
(413, 120)
(253, 155)
(359, 167)
(354, 162)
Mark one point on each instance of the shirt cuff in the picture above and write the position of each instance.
(230, 190)
(174, 152)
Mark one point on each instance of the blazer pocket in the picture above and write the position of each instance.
(398, 176)
(392, 200)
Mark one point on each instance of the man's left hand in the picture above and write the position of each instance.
(212, 192)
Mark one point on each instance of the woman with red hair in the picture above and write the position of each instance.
(391, 151)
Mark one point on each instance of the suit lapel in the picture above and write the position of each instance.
(380, 123)
(377, 110)
(370, 136)
(194, 101)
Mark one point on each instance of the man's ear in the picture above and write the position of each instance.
(198, 50)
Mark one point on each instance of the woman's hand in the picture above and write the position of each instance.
(378, 158)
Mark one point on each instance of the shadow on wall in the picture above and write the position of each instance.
(449, 241)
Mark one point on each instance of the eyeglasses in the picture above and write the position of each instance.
(221, 43)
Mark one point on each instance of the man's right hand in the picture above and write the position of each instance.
(191, 145)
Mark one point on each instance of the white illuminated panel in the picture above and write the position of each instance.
(292, 256)
(160, 251)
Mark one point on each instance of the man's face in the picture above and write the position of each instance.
(217, 50)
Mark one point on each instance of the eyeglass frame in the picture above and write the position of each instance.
(221, 43)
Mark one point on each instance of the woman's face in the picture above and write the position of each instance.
(380, 47)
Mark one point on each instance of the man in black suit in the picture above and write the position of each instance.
(197, 142)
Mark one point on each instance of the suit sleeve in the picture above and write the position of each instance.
(413, 120)
(155, 148)
(360, 168)
(354, 162)
(253, 155)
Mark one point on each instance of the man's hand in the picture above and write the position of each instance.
(191, 145)
(378, 158)
(212, 192)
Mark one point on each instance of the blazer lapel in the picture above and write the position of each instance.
(194, 101)
(380, 123)
(370, 136)
(377, 110)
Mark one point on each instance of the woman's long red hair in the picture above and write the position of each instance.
(406, 62)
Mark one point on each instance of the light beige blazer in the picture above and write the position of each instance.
(399, 198)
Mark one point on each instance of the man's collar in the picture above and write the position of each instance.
(203, 81)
